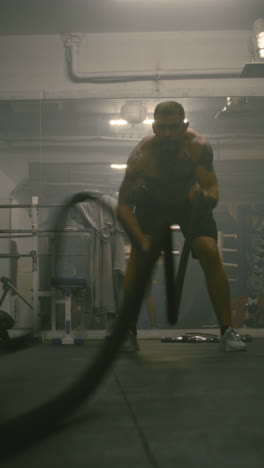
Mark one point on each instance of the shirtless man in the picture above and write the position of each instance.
(165, 173)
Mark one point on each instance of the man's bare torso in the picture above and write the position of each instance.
(166, 168)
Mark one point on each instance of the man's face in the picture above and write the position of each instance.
(170, 128)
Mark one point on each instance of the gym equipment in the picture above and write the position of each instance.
(67, 285)
(35, 234)
(7, 285)
(7, 322)
(193, 337)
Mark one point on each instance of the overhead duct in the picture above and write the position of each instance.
(255, 69)
(73, 42)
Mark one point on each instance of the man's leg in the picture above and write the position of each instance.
(208, 255)
(135, 264)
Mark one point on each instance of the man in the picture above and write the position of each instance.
(166, 173)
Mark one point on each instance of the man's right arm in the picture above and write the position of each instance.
(126, 203)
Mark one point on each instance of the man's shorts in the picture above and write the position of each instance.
(204, 225)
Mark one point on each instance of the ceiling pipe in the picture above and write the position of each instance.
(189, 74)
(72, 42)
(83, 142)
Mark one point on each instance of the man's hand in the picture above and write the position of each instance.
(201, 197)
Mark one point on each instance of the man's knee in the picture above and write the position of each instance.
(206, 250)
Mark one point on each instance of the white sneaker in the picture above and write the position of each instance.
(232, 341)
(130, 344)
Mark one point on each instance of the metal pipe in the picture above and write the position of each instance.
(28, 205)
(28, 236)
(37, 231)
(14, 256)
(21, 297)
(24, 236)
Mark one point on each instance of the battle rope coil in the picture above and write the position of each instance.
(23, 430)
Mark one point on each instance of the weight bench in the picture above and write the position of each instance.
(67, 285)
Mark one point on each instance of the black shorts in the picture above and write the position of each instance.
(204, 225)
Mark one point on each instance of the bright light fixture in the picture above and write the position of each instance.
(118, 166)
(148, 121)
(257, 38)
(124, 122)
(118, 122)
(261, 40)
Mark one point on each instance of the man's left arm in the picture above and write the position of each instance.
(206, 178)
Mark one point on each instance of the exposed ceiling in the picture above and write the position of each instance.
(56, 16)
(75, 118)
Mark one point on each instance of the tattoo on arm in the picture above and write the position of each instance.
(206, 158)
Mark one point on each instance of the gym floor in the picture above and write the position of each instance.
(185, 405)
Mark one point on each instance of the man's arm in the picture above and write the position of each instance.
(126, 203)
(206, 178)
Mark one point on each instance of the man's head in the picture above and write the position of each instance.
(169, 121)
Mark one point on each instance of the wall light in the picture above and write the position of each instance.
(118, 166)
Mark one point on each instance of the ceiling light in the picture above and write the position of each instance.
(118, 122)
(134, 112)
(118, 166)
(148, 121)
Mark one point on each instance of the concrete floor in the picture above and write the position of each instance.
(184, 405)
